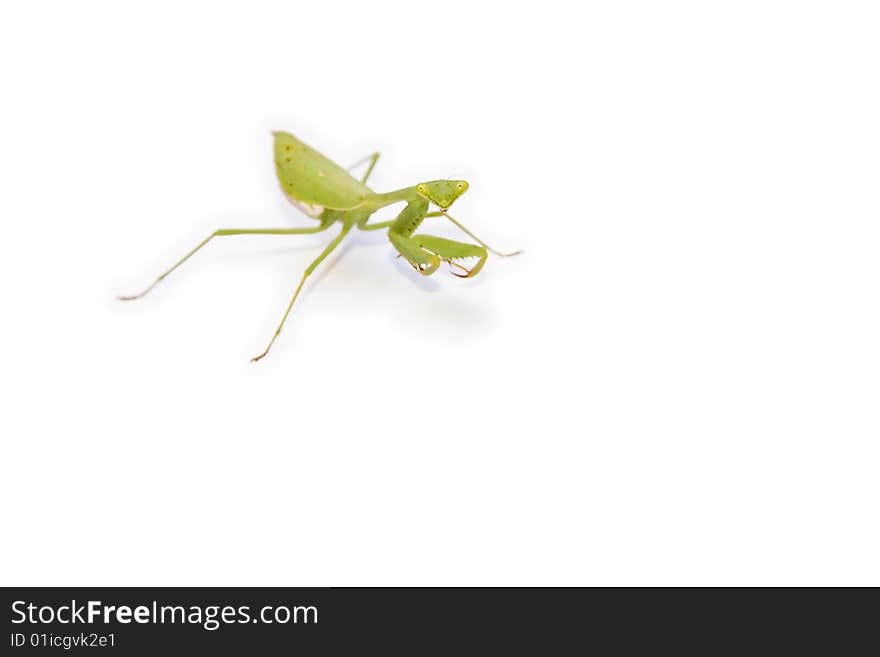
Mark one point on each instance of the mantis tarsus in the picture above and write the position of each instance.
(329, 193)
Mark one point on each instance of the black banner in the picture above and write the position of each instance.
(147, 621)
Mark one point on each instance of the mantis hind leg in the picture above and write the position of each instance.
(426, 252)
(372, 158)
(220, 233)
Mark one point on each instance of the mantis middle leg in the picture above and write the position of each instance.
(317, 261)
(221, 233)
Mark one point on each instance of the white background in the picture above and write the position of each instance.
(676, 383)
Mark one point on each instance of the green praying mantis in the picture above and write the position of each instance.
(325, 191)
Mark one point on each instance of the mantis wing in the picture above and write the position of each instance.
(313, 182)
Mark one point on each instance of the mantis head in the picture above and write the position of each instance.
(442, 193)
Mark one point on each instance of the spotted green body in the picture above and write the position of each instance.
(325, 191)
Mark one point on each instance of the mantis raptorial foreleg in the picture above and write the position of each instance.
(317, 261)
(224, 232)
(426, 252)
(372, 158)
(451, 251)
(421, 260)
